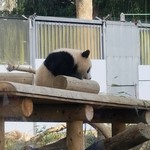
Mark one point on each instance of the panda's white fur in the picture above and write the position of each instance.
(81, 66)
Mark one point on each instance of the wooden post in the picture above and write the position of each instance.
(2, 137)
(75, 135)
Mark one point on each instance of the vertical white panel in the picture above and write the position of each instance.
(122, 58)
(144, 82)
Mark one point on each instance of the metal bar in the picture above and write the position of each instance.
(67, 20)
(137, 14)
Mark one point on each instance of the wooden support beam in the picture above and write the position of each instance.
(61, 113)
(15, 107)
(26, 78)
(129, 138)
(121, 115)
(74, 84)
(75, 135)
(2, 131)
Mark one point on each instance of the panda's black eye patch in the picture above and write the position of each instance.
(88, 70)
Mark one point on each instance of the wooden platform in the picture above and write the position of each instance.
(47, 95)
(23, 102)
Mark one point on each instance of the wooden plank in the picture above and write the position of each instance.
(52, 95)
(75, 135)
(2, 130)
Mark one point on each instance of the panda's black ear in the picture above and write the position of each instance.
(86, 53)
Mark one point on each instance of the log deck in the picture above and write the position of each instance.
(35, 103)
(45, 95)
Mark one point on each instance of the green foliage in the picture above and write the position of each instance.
(89, 138)
(115, 7)
(12, 144)
(67, 8)
(62, 8)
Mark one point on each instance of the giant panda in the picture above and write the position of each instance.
(68, 62)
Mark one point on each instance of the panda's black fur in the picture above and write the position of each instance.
(62, 63)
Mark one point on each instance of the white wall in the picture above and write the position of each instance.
(144, 82)
(98, 73)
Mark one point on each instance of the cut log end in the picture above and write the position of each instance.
(89, 112)
(27, 107)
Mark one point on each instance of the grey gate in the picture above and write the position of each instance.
(122, 54)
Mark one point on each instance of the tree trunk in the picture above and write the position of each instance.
(84, 9)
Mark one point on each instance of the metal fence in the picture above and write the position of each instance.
(14, 41)
(65, 34)
(24, 40)
(145, 45)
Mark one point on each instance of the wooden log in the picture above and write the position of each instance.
(75, 135)
(2, 131)
(14, 107)
(26, 78)
(12, 67)
(61, 113)
(74, 84)
(121, 115)
(131, 137)
(102, 128)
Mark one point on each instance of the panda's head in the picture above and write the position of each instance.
(84, 65)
